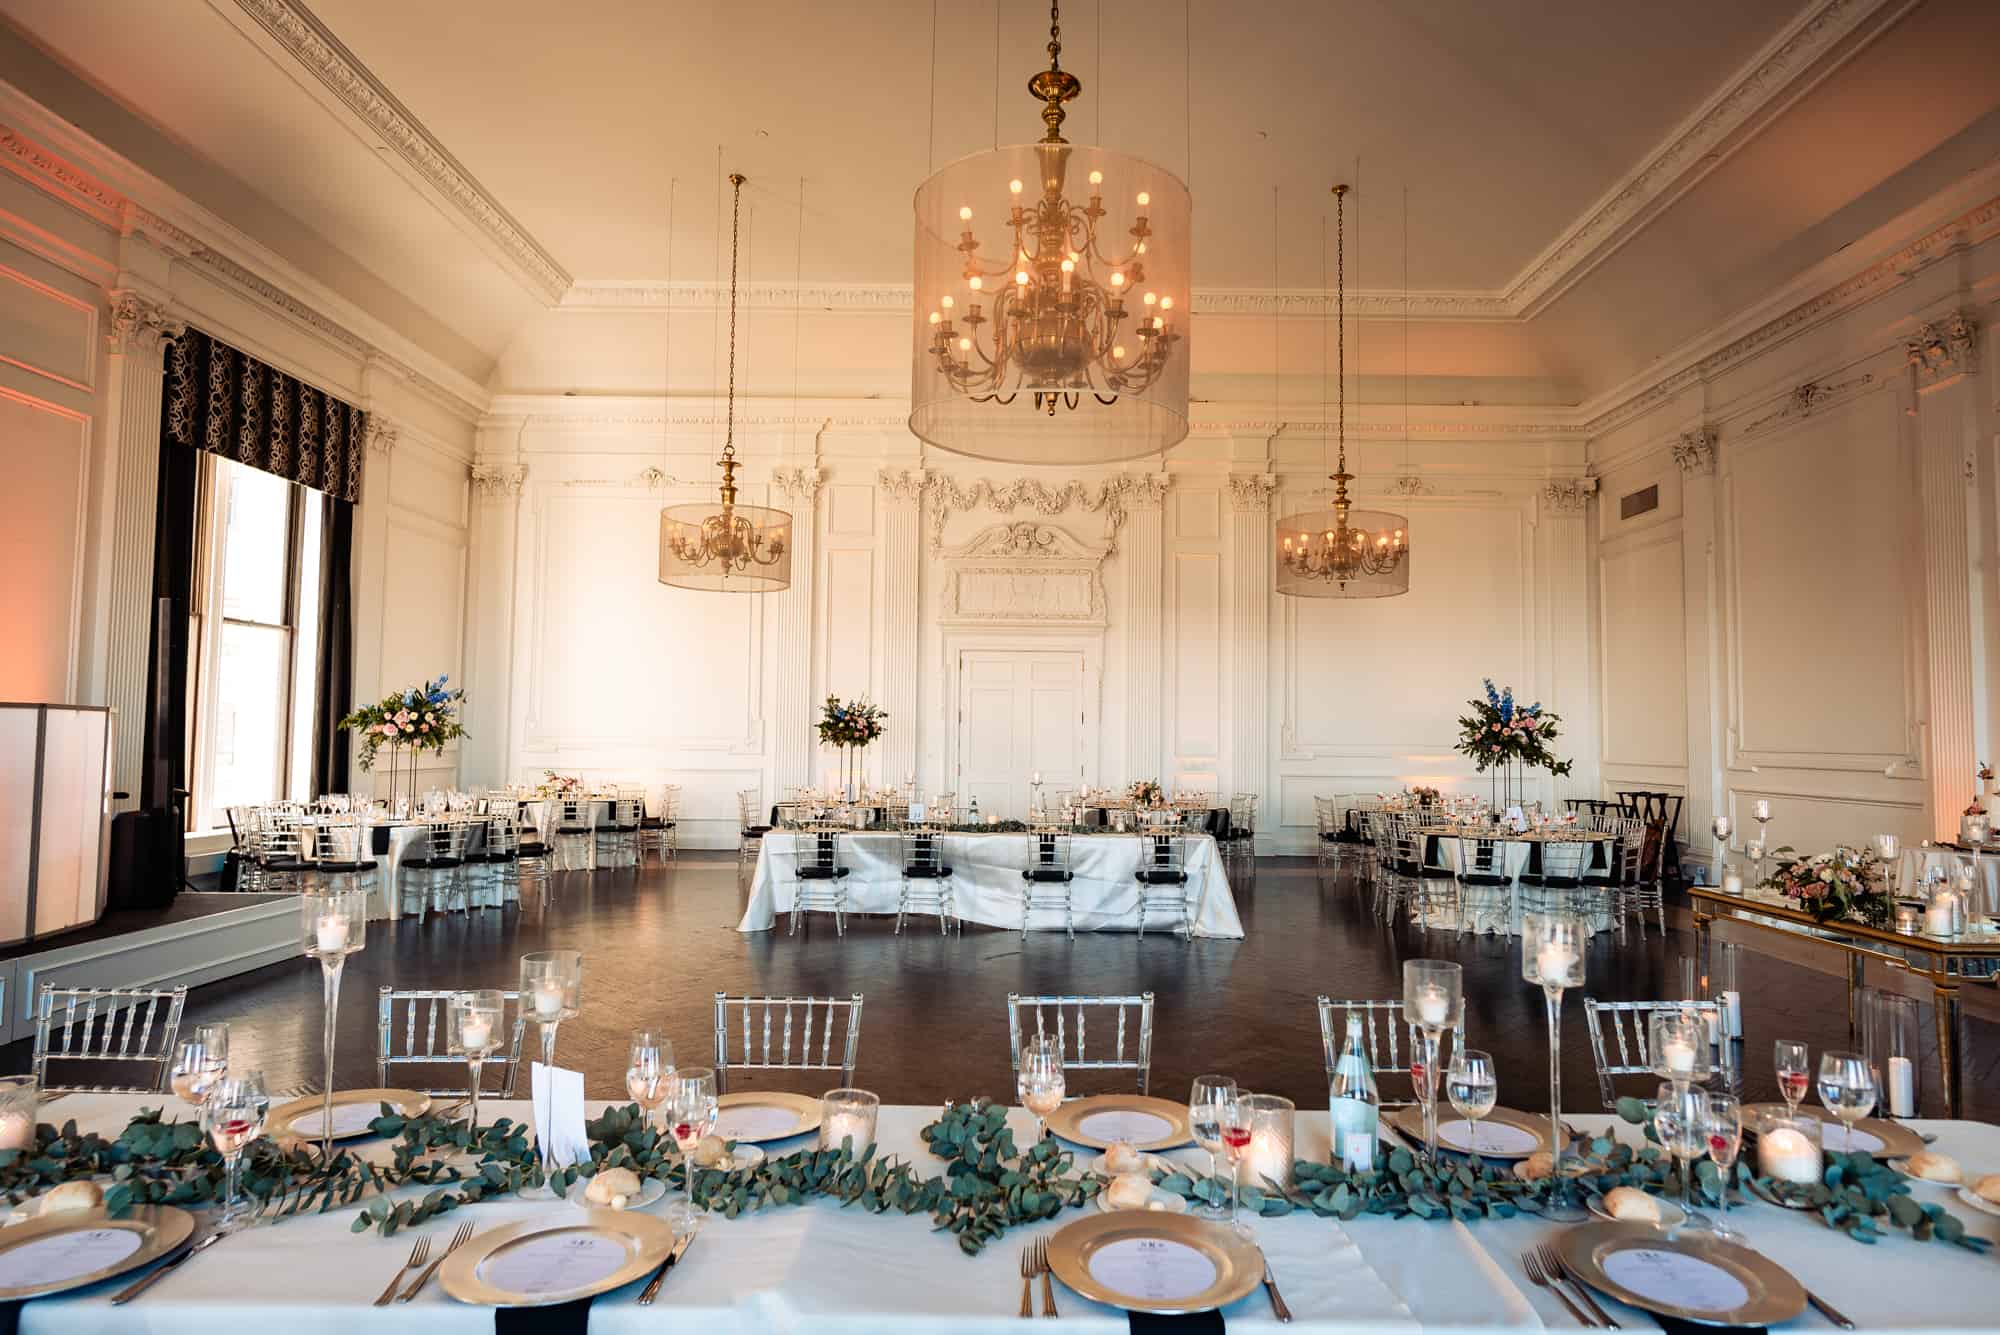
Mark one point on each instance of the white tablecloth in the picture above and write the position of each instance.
(1499, 912)
(819, 1268)
(1917, 862)
(987, 884)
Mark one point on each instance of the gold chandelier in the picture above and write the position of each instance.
(1343, 552)
(727, 548)
(1081, 306)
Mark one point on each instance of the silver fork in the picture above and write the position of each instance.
(1553, 1263)
(419, 1252)
(1028, 1280)
(459, 1238)
(1042, 1268)
(1532, 1263)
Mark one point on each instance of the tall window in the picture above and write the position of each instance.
(254, 638)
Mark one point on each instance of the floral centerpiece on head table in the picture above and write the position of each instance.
(1845, 883)
(554, 784)
(421, 718)
(850, 725)
(1147, 793)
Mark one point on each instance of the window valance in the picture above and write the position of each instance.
(229, 403)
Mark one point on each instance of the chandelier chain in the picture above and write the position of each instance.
(1055, 36)
(1340, 319)
(736, 180)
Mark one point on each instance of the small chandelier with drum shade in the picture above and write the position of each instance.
(1052, 283)
(727, 548)
(1343, 552)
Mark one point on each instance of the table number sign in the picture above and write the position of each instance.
(559, 1133)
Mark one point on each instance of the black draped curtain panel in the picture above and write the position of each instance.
(336, 650)
(229, 403)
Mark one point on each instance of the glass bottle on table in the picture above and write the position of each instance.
(1792, 1061)
(1847, 1088)
(1354, 1104)
(233, 1116)
(1206, 1102)
(1040, 1080)
(1473, 1085)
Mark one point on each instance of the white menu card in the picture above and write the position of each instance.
(555, 1262)
(1156, 1269)
(1676, 1278)
(52, 1260)
(1125, 1124)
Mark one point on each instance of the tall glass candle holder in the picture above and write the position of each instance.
(551, 992)
(1677, 1043)
(1552, 946)
(20, 1105)
(1721, 828)
(848, 1115)
(1269, 1157)
(476, 1018)
(1433, 1000)
(334, 925)
(1891, 1040)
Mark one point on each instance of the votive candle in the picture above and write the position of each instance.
(1789, 1151)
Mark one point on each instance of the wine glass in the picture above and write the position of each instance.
(690, 1108)
(1235, 1136)
(646, 1071)
(475, 1019)
(201, 1061)
(1205, 1105)
(1725, 1142)
(1040, 1081)
(1681, 1120)
(233, 1116)
(1794, 1074)
(1847, 1088)
(1473, 1085)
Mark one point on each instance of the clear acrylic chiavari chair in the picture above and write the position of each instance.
(1624, 1024)
(1073, 1019)
(926, 876)
(1047, 879)
(1163, 879)
(1382, 1026)
(751, 828)
(821, 878)
(576, 833)
(765, 1019)
(660, 833)
(495, 871)
(117, 1029)
(434, 882)
(420, 1018)
(618, 837)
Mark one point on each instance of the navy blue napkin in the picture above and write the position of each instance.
(1673, 1325)
(10, 1316)
(571, 1318)
(380, 841)
(1194, 1323)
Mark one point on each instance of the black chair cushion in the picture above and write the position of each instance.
(577, 829)
(1550, 882)
(499, 855)
(342, 868)
(529, 850)
(656, 823)
(1048, 876)
(1161, 876)
(286, 864)
(1423, 872)
(1482, 878)
(756, 831)
(433, 864)
(925, 873)
(821, 873)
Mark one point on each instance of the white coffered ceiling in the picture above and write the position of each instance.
(1600, 180)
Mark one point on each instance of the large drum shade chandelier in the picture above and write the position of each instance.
(1051, 309)
(727, 548)
(1343, 552)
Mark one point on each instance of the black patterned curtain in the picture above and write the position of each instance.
(231, 404)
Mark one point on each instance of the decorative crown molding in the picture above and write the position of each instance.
(310, 43)
(1695, 450)
(1568, 496)
(947, 495)
(494, 479)
(139, 324)
(1146, 491)
(380, 432)
(1805, 399)
(904, 484)
(1411, 485)
(800, 483)
(1251, 492)
(1942, 349)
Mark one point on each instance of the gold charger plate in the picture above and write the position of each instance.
(1239, 1265)
(161, 1228)
(645, 1240)
(805, 1109)
(1410, 1121)
(1067, 1121)
(1772, 1294)
(1898, 1141)
(407, 1102)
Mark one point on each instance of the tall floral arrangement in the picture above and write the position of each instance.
(1147, 793)
(1845, 883)
(1499, 732)
(849, 722)
(422, 718)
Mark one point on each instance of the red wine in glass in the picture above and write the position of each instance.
(1718, 1146)
(1236, 1139)
(1793, 1084)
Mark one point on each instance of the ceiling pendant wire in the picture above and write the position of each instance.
(798, 307)
(996, 73)
(1277, 338)
(667, 353)
(1406, 332)
(930, 134)
(1187, 85)
(715, 281)
(1098, 73)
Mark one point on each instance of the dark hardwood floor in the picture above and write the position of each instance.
(659, 943)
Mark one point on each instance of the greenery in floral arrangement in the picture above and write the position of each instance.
(849, 722)
(1845, 883)
(422, 718)
(1146, 793)
(1498, 731)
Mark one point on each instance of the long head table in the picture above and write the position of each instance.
(820, 1268)
(986, 880)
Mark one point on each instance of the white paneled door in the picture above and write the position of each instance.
(1019, 712)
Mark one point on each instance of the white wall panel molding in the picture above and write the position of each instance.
(1143, 561)
(902, 493)
(793, 702)
(1022, 573)
(1249, 635)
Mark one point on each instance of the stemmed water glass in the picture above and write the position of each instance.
(1847, 1088)
(650, 1064)
(475, 1019)
(1040, 1081)
(1552, 946)
(335, 925)
(233, 1116)
(1473, 1086)
(1210, 1095)
(690, 1108)
(1793, 1063)
(551, 992)
(201, 1061)
(1681, 1119)
(1433, 1000)
(1725, 1142)
(1235, 1136)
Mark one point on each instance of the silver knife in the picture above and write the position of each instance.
(1828, 1311)
(652, 1290)
(146, 1281)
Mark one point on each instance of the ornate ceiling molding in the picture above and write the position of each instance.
(381, 433)
(1805, 399)
(1695, 450)
(904, 484)
(947, 494)
(498, 480)
(1941, 349)
(1568, 496)
(138, 323)
(798, 484)
(298, 31)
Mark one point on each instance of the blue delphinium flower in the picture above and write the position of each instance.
(1507, 706)
(1492, 696)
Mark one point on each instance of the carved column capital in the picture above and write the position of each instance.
(906, 485)
(380, 433)
(1943, 348)
(1146, 491)
(799, 484)
(1695, 450)
(1251, 491)
(139, 324)
(498, 479)
(1568, 496)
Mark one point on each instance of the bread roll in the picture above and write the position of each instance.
(1129, 1191)
(1988, 1188)
(613, 1188)
(1933, 1167)
(72, 1196)
(710, 1152)
(1536, 1166)
(1631, 1203)
(1122, 1158)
